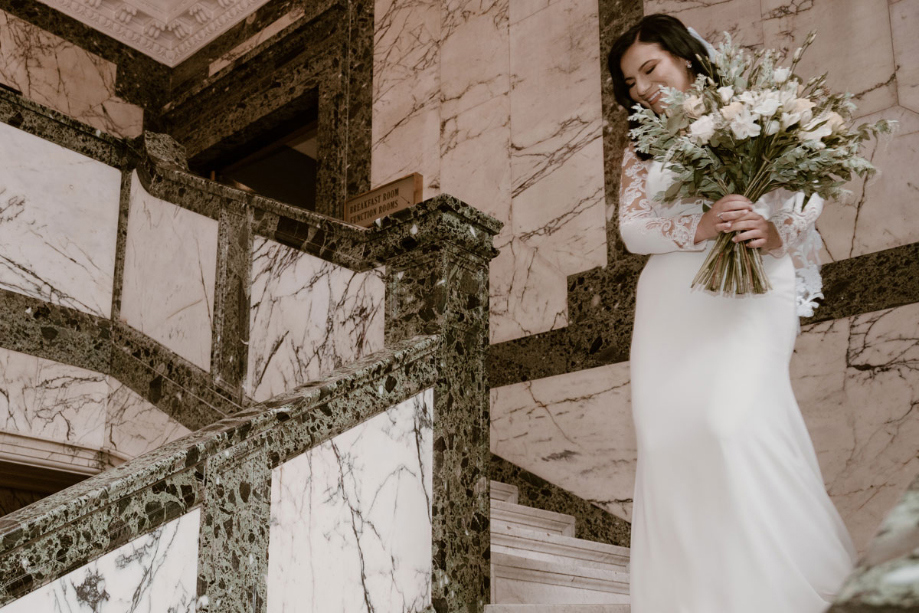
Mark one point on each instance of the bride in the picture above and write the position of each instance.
(730, 511)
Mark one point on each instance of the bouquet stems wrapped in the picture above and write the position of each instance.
(750, 127)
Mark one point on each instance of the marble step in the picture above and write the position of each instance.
(532, 519)
(540, 545)
(503, 492)
(557, 608)
(518, 580)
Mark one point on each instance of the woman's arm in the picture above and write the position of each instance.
(784, 230)
(642, 229)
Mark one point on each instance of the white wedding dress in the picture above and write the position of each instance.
(730, 511)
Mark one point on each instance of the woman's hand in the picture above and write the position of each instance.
(757, 231)
(734, 213)
(722, 215)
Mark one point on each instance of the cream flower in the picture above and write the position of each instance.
(732, 110)
(835, 121)
(744, 125)
(726, 93)
(780, 75)
(694, 106)
(772, 127)
(801, 105)
(767, 105)
(812, 130)
(702, 129)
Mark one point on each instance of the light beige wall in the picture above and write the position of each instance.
(497, 102)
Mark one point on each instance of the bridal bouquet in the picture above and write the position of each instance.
(749, 128)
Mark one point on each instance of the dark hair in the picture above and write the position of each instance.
(670, 33)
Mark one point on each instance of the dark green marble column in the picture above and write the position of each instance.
(438, 284)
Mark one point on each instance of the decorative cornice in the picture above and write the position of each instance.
(169, 31)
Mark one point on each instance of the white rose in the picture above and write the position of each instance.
(744, 125)
(781, 74)
(702, 129)
(694, 106)
(767, 105)
(748, 98)
(732, 110)
(790, 119)
(772, 127)
(726, 93)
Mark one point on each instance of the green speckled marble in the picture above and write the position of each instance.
(56, 127)
(223, 467)
(54, 332)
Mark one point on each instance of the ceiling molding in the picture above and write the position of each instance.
(169, 31)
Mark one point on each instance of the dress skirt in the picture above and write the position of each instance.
(730, 511)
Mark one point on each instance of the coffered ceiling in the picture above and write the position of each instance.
(169, 31)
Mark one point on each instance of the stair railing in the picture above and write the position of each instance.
(219, 478)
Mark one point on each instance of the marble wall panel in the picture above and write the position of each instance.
(742, 18)
(904, 23)
(351, 519)
(475, 81)
(856, 381)
(879, 214)
(58, 74)
(51, 401)
(574, 431)
(406, 92)
(170, 268)
(557, 184)
(853, 44)
(60, 415)
(527, 294)
(307, 317)
(58, 223)
(156, 572)
(133, 426)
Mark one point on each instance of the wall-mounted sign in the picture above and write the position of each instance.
(387, 199)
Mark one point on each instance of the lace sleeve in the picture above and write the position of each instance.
(796, 225)
(642, 229)
(794, 219)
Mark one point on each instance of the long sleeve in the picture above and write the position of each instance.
(796, 225)
(642, 229)
(793, 221)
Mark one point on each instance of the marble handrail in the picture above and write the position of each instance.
(887, 576)
(64, 531)
(434, 258)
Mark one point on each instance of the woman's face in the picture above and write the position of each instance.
(647, 67)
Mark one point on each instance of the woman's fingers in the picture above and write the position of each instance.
(752, 228)
(732, 202)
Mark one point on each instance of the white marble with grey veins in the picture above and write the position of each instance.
(51, 401)
(351, 519)
(58, 223)
(155, 573)
(170, 271)
(307, 318)
(64, 77)
(54, 414)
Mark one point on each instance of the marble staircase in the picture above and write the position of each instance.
(538, 566)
